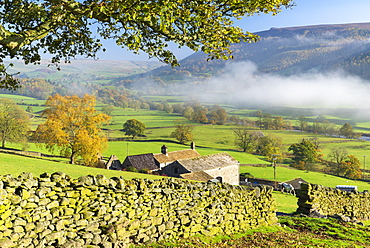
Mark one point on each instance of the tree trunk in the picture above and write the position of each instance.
(72, 158)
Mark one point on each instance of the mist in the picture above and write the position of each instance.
(243, 84)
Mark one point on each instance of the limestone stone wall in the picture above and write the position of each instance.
(58, 211)
(329, 201)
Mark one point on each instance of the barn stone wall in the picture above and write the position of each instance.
(329, 201)
(229, 174)
(94, 211)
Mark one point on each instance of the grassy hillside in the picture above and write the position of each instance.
(15, 165)
(83, 70)
(285, 51)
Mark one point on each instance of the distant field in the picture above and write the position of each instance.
(14, 165)
(285, 174)
(208, 138)
(23, 99)
(122, 148)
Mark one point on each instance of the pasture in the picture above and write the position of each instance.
(285, 174)
(208, 138)
(15, 165)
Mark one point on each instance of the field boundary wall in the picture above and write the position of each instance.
(330, 201)
(94, 211)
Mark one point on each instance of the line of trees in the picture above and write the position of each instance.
(325, 127)
(257, 142)
(307, 153)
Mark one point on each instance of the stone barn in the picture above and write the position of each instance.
(165, 157)
(141, 162)
(220, 166)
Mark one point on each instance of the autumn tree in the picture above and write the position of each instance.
(218, 115)
(73, 127)
(14, 123)
(344, 164)
(350, 167)
(183, 131)
(134, 128)
(338, 155)
(63, 28)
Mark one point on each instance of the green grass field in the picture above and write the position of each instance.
(15, 165)
(285, 174)
(209, 139)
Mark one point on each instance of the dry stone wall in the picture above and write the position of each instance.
(58, 211)
(329, 201)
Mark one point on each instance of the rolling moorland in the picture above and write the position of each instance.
(211, 138)
(282, 51)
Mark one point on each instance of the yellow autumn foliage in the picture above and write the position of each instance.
(72, 126)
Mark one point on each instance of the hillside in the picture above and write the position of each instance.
(285, 51)
(83, 70)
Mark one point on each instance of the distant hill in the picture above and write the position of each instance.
(83, 70)
(284, 51)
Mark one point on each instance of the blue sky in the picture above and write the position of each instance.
(306, 12)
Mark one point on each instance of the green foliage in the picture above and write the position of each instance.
(64, 28)
(334, 229)
(269, 146)
(347, 131)
(131, 169)
(14, 123)
(134, 128)
(305, 152)
(107, 109)
(183, 131)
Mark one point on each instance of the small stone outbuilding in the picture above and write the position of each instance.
(296, 182)
(113, 163)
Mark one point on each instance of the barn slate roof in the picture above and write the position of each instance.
(197, 176)
(208, 162)
(176, 155)
(143, 161)
(296, 182)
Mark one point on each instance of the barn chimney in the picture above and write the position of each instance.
(192, 145)
(164, 150)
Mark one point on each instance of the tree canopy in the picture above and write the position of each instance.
(67, 28)
(183, 131)
(134, 128)
(14, 123)
(73, 126)
(304, 153)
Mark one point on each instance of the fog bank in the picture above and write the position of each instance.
(243, 84)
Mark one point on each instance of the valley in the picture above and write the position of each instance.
(296, 84)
